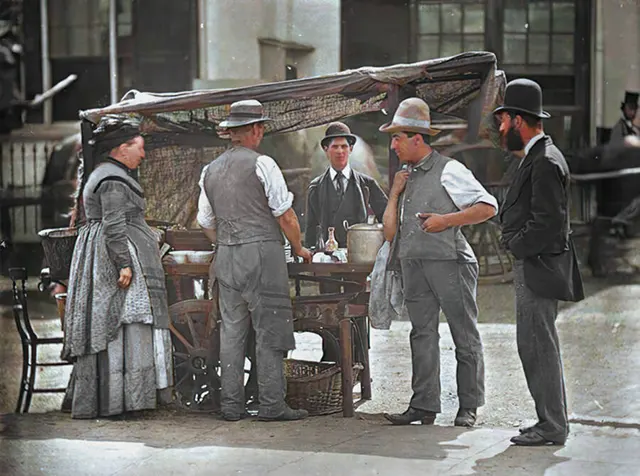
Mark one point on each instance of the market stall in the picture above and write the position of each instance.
(182, 135)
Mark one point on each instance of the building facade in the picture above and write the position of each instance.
(252, 41)
(584, 53)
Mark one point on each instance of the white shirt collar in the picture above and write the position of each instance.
(532, 142)
(346, 172)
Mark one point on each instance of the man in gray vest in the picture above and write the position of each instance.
(244, 207)
(428, 204)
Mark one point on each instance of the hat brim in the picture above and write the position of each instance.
(390, 128)
(228, 124)
(540, 115)
(351, 139)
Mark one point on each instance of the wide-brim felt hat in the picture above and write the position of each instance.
(243, 113)
(525, 96)
(335, 130)
(412, 115)
(630, 98)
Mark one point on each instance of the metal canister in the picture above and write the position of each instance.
(363, 242)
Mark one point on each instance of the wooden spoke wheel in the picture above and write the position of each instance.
(495, 263)
(196, 356)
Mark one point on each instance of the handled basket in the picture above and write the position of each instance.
(316, 386)
(58, 244)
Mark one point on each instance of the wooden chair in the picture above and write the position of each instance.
(30, 341)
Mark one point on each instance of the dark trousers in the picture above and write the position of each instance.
(539, 350)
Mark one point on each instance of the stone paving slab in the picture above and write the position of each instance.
(325, 446)
(600, 340)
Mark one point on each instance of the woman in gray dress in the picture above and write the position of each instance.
(116, 324)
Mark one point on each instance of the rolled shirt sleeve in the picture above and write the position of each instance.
(463, 188)
(279, 197)
(205, 217)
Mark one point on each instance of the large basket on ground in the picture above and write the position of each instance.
(316, 386)
(58, 244)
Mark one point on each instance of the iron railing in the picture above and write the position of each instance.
(22, 169)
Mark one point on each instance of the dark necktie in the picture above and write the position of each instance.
(339, 188)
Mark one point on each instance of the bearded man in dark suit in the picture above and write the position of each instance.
(536, 230)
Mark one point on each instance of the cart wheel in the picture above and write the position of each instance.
(495, 264)
(196, 355)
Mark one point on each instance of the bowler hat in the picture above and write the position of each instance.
(523, 95)
(412, 115)
(337, 129)
(630, 99)
(243, 113)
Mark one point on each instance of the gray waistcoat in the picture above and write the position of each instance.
(238, 199)
(424, 193)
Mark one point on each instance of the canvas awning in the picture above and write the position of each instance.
(182, 128)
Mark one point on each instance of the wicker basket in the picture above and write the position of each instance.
(316, 386)
(58, 244)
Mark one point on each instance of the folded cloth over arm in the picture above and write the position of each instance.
(386, 301)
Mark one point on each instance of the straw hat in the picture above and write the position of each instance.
(412, 115)
(243, 113)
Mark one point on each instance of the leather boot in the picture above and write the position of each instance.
(466, 417)
(410, 415)
(289, 414)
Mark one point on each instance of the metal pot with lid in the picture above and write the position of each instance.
(363, 242)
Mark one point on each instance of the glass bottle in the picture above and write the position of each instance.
(319, 240)
(331, 245)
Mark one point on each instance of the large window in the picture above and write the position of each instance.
(449, 28)
(80, 28)
(538, 32)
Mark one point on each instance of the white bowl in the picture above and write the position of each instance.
(200, 257)
(179, 257)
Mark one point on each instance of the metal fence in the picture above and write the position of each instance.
(22, 168)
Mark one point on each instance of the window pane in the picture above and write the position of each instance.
(428, 47)
(515, 20)
(79, 42)
(125, 19)
(538, 49)
(562, 49)
(451, 45)
(77, 12)
(514, 47)
(451, 18)
(57, 13)
(58, 42)
(563, 17)
(474, 18)
(428, 18)
(473, 42)
(539, 16)
(100, 12)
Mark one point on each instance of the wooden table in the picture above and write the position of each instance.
(347, 311)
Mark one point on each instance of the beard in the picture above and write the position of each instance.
(513, 140)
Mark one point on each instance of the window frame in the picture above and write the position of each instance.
(416, 35)
(551, 65)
